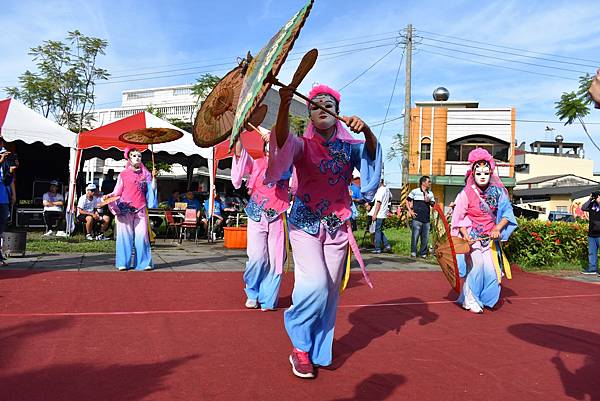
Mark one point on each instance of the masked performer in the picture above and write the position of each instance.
(266, 220)
(324, 159)
(137, 190)
(484, 216)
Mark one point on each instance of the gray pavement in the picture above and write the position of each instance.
(169, 256)
(214, 257)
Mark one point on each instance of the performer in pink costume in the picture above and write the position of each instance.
(266, 219)
(137, 190)
(482, 215)
(324, 159)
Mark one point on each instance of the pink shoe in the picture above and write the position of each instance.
(301, 365)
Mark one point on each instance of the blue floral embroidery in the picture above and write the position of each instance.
(125, 208)
(254, 210)
(302, 217)
(338, 164)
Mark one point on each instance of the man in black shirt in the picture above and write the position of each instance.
(592, 206)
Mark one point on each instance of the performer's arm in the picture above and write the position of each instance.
(118, 189)
(495, 234)
(357, 125)
(282, 127)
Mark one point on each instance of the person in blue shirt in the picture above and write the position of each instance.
(357, 199)
(6, 192)
(174, 198)
(217, 212)
(192, 203)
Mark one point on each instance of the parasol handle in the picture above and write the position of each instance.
(152, 153)
(275, 82)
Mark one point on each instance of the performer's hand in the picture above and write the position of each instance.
(154, 173)
(286, 93)
(265, 137)
(495, 234)
(3, 156)
(355, 123)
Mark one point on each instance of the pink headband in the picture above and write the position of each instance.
(129, 149)
(481, 154)
(323, 89)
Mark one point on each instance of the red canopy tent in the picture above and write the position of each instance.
(107, 137)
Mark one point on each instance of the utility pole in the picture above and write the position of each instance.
(407, 106)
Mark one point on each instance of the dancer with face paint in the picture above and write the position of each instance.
(266, 220)
(137, 190)
(319, 227)
(482, 215)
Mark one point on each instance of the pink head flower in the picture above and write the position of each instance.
(324, 89)
(479, 154)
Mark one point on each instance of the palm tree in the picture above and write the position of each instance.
(575, 105)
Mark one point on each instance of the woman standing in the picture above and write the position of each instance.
(484, 216)
(324, 159)
(136, 188)
(266, 220)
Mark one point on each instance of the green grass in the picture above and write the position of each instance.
(37, 243)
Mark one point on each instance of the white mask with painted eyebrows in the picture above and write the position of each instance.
(135, 158)
(319, 118)
(482, 175)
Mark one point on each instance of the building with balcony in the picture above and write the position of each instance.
(444, 132)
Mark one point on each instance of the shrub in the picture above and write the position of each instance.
(538, 243)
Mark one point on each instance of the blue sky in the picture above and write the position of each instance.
(187, 38)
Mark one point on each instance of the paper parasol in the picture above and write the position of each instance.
(214, 120)
(150, 136)
(266, 63)
(444, 248)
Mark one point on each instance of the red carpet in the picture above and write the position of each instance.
(186, 336)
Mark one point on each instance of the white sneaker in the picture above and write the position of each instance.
(48, 233)
(148, 268)
(101, 237)
(121, 268)
(61, 234)
(89, 237)
(251, 303)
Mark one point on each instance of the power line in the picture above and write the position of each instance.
(369, 68)
(339, 53)
(499, 66)
(505, 52)
(502, 58)
(392, 95)
(597, 63)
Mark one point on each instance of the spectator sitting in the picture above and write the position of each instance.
(192, 203)
(173, 199)
(217, 212)
(88, 215)
(53, 208)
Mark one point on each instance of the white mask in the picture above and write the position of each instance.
(319, 118)
(135, 158)
(482, 174)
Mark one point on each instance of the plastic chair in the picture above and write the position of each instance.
(189, 222)
(171, 223)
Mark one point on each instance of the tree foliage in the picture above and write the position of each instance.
(575, 105)
(63, 86)
(204, 85)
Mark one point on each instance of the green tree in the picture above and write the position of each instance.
(575, 105)
(397, 147)
(298, 124)
(204, 85)
(65, 81)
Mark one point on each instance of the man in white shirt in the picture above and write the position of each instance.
(87, 213)
(53, 208)
(381, 208)
(419, 203)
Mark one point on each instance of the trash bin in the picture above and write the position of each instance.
(14, 243)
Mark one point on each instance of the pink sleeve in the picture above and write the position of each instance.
(118, 188)
(294, 182)
(240, 167)
(459, 215)
(281, 159)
